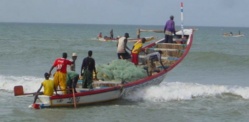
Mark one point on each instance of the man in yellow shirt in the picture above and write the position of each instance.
(48, 85)
(136, 50)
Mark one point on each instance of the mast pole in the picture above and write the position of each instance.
(182, 19)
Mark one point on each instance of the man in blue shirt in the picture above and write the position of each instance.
(169, 30)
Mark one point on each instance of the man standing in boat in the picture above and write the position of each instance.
(122, 46)
(169, 30)
(111, 34)
(72, 76)
(74, 57)
(60, 75)
(87, 69)
(138, 33)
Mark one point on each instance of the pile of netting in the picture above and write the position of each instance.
(119, 70)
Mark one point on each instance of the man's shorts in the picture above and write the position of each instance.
(60, 80)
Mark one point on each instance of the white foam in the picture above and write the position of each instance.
(185, 91)
(166, 91)
(29, 83)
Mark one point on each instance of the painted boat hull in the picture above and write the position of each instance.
(81, 98)
(87, 98)
(235, 35)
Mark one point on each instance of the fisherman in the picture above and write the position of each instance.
(48, 85)
(60, 75)
(122, 46)
(87, 70)
(111, 34)
(100, 35)
(169, 30)
(151, 58)
(74, 57)
(136, 50)
(138, 33)
(72, 80)
(72, 76)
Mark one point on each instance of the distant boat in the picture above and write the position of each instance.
(108, 39)
(239, 35)
(233, 35)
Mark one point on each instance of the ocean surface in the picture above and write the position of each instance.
(210, 85)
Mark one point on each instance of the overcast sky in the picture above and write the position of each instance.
(135, 12)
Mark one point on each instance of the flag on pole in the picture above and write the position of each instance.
(182, 17)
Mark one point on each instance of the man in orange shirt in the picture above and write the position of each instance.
(60, 76)
(136, 49)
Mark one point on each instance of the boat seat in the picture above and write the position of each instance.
(82, 89)
(104, 84)
(163, 57)
(97, 84)
(169, 55)
(167, 61)
(167, 52)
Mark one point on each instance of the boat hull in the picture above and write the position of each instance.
(130, 88)
(86, 99)
(81, 98)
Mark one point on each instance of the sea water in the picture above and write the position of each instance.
(210, 84)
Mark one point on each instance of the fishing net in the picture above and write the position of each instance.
(119, 70)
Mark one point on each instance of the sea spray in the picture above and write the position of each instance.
(29, 83)
(170, 91)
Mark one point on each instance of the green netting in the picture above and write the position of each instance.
(119, 70)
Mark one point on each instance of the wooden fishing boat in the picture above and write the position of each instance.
(107, 39)
(173, 54)
(239, 35)
(233, 35)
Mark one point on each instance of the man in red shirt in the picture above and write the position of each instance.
(60, 76)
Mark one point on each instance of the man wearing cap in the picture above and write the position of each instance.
(122, 46)
(169, 30)
(74, 57)
(60, 76)
(72, 76)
